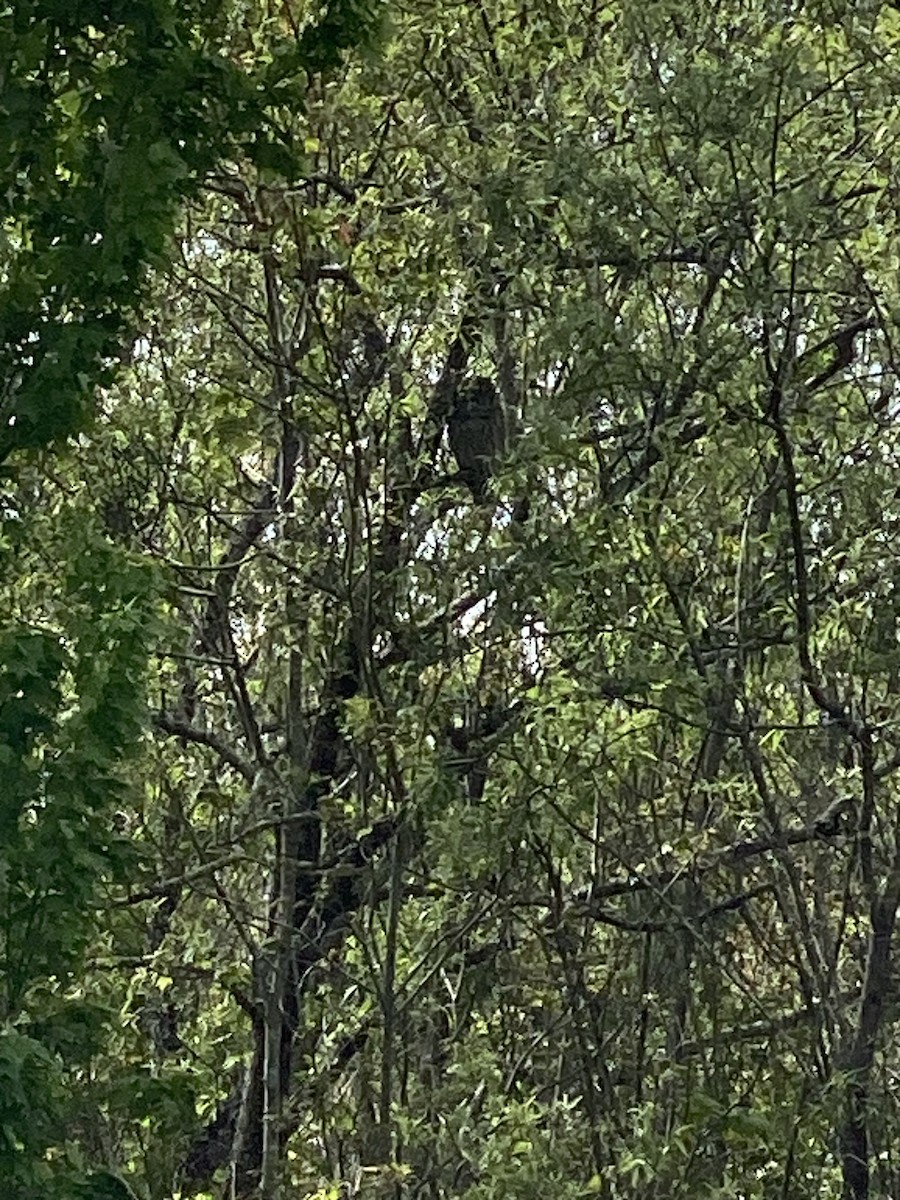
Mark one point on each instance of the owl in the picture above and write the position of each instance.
(475, 430)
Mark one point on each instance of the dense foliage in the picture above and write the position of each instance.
(112, 115)
(491, 511)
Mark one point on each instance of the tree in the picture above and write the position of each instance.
(489, 847)
(112, 117)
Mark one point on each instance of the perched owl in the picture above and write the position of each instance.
(475, 430)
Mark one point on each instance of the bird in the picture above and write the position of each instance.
(475, 431)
